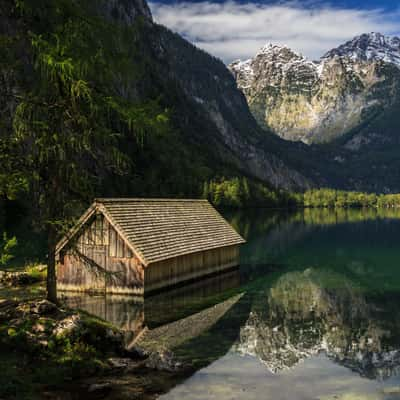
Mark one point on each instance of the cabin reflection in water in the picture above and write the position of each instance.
(125, 312)
(133, 314)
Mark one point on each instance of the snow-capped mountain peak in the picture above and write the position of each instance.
(272, 58)
(366, 47)
(278, 52)
(318, 101)
(369, 47)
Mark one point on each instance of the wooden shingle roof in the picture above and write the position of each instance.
(158, 229)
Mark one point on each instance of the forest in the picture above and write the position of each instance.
(331, 198)
(242, 193)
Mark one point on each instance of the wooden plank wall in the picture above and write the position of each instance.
(191, 266)
(100, 261)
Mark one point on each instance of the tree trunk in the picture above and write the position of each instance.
(51, 266)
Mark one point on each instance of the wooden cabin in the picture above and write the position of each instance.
(134, 246)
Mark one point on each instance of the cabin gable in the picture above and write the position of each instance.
(97, 258)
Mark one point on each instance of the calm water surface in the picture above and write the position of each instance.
(313, 312)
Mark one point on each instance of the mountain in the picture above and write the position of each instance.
(320, 101)
(369, 47)
(211, 132)
(226, 123)
(212, 124)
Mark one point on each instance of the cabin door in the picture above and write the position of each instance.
(100, 267)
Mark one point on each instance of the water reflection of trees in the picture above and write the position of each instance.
(273, 236)
(254, 222)
(325, 216)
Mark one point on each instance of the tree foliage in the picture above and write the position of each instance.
(7, 247)
(331, 198)
(73, 115)
(240, 192)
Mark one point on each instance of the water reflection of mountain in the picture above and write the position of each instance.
(300, 315)
(304, 313)
(334, 287)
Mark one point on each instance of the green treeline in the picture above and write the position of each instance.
(241, 192)
(331, 198)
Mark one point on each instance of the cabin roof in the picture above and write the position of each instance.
(159, 229)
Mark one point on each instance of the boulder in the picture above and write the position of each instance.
(68, 326)
(43, 307)
(137, 352)
(5, 303)
(122, 364)
(16, 278)
(164, 360)
(114, 336)
(100, 390)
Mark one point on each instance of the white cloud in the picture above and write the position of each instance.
(233, 30)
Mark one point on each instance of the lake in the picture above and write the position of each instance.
(312, 312)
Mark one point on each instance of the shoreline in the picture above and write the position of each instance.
(65, 354)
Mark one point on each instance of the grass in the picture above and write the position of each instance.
(17, 380)
(37, 271)
(24, 378)
(23, 292)
(36, 276)
(34, 358)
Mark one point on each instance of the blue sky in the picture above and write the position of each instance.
(232, 29)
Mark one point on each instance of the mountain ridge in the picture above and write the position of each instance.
(369, 47)
(316, 101)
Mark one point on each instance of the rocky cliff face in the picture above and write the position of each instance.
(369, 47)
(125, 11)
(319, 101)
(351, 96)
(210, 110)
(209, 87)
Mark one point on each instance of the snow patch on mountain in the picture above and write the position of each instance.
(366, 47)
(369, 47)
(316, 101)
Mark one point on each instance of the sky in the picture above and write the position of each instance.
(232, 30)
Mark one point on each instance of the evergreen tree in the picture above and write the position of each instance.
(69, 123)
